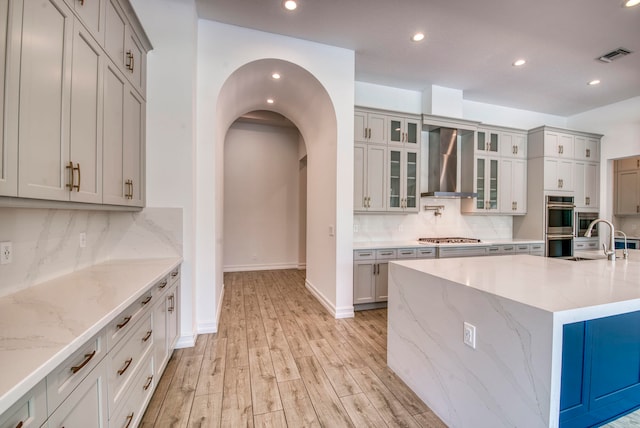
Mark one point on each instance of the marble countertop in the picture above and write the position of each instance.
(372, 245)
(43, 325)
(572, 291)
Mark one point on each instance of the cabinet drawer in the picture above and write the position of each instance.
(406, 253)
(68, 375)
(136, 396)
(426, 253)
(29, 411)
(386, 254)
(507, 249)
(174, 275)
(522, 248)
(123, 323)
(364, 255)
(125, 359)
(493, 250)
(160, 288)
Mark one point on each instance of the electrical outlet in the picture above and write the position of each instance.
(6, 253)
(469, 337)
(332, 230)
(83, 240)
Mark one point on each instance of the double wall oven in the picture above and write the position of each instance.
(559, 226)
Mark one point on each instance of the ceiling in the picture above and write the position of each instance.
(469, 45)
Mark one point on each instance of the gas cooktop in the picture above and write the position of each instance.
(448, 240)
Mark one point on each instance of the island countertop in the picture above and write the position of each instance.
(43, 325)
(572, 291)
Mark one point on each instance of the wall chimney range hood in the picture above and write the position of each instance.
(443, 164)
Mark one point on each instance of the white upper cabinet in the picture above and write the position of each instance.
(586, 184)
(513, 186)
(404, 131)
(134, 118)
(487, 141)
(513, 145)
(115, 86)
(10, 30)
(586, 148)
(370, 182)
(558, 145)
(45, 100)
(91, 13)
(558, 175)
(369, 127)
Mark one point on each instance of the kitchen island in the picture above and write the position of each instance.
(520, 306)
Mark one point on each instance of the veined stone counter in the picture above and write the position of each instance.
(43, 325)
(518, 305)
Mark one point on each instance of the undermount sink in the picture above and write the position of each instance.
(579, 259)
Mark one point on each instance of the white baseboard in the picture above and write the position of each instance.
(342, 312)
(186, 341)
(208, 327)
(249, 268)
(302, 266)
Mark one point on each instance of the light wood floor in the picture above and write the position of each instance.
(279, 359)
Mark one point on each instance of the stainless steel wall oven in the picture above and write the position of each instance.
(559, 230)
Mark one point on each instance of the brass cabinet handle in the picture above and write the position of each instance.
(588, 153)
(130, 61)
(124, 322)
(129, 191)
(125, 367)
(148, 384)
(69, 167)
(147, 336)
(174, 273)
(19, 424)
(79, 177)
(145, 301)
(172, 303)
(87, 358)
(162, 284)
(129, 419)
(81, 2)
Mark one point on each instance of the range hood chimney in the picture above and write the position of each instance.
(443, 165)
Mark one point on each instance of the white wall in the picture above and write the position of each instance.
(620, 124)
(261, 197)
(171, 78)
(387, 98)
(506, 116)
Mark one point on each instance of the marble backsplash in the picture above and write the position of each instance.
(629, 225)
(46, 242)
(388, 227)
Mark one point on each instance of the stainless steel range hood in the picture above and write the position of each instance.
(443, 165)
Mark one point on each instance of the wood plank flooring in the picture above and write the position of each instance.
(279, 359)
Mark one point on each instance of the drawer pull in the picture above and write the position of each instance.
(147, 336)
(145, 301)
(129, 419)
(87, 358)
(126, 366)
(173, 303)
(124, 322)
(19, 424)
(386, 254)
(174, 274)
(162, 284)
(365, 254)
(148, 384)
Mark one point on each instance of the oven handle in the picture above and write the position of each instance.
(561, 206)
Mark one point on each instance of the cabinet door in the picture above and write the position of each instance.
(493, 184)
(132, 150)
(113, 188)
(382, 282)
(410, 178)
(507, 194)
(363, 282)
(87, 404)
(115, 28)
(592, 151)
(558, 174)
(487, 183)
(359, 177)
(628, 164)
(135, 60)
(160, 342)
(360, 131)
(481, 183)
(394, 202)
(376, 180)
(377, 128)
(565, 174)
(565, 146)
(519, 186)
(44, 100)
(579, 184)
(592, 185)
(627, 193)
(412, 131)
(10, 28)
(86, 116)
(91, 12)
(173, 324)
(30, 411)
(487, 141)
(395, 130)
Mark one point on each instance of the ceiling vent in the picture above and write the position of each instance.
(614, 55)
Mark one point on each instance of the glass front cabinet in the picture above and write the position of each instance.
(486, 176)
(403, 172)
(403, 131)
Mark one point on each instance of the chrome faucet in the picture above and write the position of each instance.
(611, 252)
(625, 251)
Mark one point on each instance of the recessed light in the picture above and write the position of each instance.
(270, 101)
(631, 3)
(594, 82)
(290, 4)
(418, 37)
(276, 76)
(519, 62)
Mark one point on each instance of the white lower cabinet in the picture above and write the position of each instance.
(110, 379)
(370, 282)
(29, 412)
(86, 406)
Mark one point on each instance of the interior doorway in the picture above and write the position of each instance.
(264, 194)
